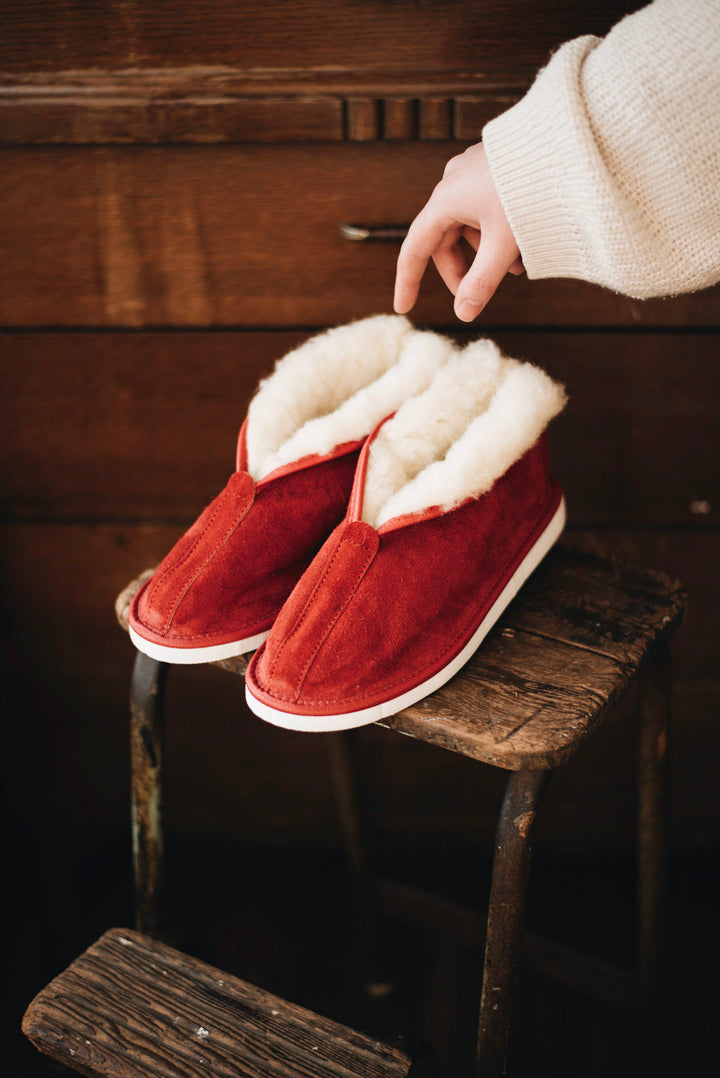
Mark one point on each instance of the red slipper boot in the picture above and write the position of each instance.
(452, 508)
(218, 591)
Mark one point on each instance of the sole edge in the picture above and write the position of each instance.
(364, 717)
(192, 656)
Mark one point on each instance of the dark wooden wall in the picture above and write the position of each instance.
(172, 179)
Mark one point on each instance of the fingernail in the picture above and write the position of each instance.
(467, 310)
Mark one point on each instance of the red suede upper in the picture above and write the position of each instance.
(378, 613)
(228, 576)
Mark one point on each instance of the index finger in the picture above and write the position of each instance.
(425, 235)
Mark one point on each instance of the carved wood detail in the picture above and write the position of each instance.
(218, 105)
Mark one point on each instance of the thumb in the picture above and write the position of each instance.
(492, 261)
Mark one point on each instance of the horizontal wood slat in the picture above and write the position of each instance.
(46, 121)
(143, 426)
(219, 105)
(47, 35)
(27, 118)
(131, 1006)
(224, 236)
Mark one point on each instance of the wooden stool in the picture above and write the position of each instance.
(565, 650)
(131, 1007)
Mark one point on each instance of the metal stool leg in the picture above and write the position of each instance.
(654, 709)
(146, 760)
(506, 916)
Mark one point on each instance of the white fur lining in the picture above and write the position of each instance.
(479, 415)
(336, 388)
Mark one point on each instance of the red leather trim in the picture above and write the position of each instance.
(308, 461)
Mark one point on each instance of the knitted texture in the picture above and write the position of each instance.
(609, 168)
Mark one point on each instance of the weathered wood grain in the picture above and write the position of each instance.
(561, 655)
(132, 1007)
(602, 605)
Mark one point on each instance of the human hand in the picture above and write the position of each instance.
(465, 204)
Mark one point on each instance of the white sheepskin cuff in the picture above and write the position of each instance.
(480, 414)
(315, 378)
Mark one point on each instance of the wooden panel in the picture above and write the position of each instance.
(143, 426)
(205, 105)
(219, 105)
(400, 118)
(436, 120)
(228, 236)
(363, 119)
(165, 110)
(640, 437)
(103, 114)
(472, 113)
(132, 426)
(42, 35)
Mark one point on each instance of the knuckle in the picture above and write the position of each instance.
(452, 164)
(477, 286)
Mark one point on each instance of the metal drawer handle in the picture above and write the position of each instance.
(360, 233)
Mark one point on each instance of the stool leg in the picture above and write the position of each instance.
(654, 714)
(506, 916)
(347, 798)
(351, 812)
(147, 780)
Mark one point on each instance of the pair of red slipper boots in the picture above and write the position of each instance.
(392, 494)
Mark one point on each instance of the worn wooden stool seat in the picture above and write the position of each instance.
(131, 1007)
(579, 633)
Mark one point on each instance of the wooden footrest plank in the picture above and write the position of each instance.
(131, 1007)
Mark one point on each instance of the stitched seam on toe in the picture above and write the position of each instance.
(223, 542)
(465, 631)
(331, 624)
(173, 569)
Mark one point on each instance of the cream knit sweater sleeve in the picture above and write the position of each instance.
(609, 168)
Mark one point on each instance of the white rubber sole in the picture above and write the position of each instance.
(351, 719)
(188, 656)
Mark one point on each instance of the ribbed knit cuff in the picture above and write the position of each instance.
(531, 150)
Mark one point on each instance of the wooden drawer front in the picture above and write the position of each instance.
(143, 426)
(229, 235)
